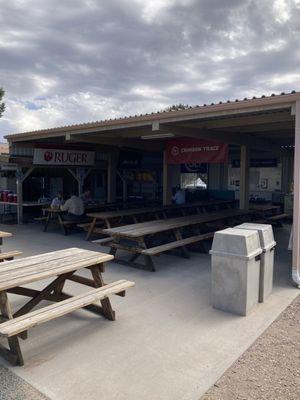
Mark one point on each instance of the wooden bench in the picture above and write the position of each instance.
(9, 255)
(103, 240)
(20, 324)
(277, 219)
(178, 243)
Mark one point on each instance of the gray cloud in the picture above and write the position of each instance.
(72, 61)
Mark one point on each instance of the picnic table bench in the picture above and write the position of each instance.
(60, 266)
(8, 255)
(105, 220)
(136, 238)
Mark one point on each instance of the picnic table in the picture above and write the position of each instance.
(59, 266)
(56, 216)
(269, 213)
(108, 218)
(135, 238)
(8, 255)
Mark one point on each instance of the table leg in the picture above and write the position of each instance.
(44, 294)
(91, 229)
(60, 221)
(47, 222)
(178, 236)
(108, 312)
(13, 354)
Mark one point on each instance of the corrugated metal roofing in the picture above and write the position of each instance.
(162, 115)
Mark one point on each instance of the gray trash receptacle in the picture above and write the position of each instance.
(235, 261)
(267, 243)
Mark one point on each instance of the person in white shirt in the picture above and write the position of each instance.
(179, 196)
(74, 207)
(57, 201)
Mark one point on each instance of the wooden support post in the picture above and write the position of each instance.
(112, 178)
(296, 212)
(167, 187)
(244, 177)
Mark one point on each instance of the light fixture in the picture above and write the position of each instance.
(158, 136)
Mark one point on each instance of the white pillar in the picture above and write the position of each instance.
(244, 177)
(296, 213)
(19, 181)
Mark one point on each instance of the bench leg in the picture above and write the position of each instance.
(113, 251)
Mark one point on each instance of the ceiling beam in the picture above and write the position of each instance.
(118, 142)
(227, 137)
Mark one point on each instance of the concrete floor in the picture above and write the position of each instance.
(167, 342)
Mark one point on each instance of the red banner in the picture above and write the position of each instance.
(190, 150)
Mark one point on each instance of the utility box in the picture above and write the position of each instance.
(267, 243)
(235, 261)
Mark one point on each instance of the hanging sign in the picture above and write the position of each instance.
(63, 157)
(189, 150)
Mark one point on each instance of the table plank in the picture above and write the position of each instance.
(152, 227)
(5, 234)
(139, 211)
(35, 268)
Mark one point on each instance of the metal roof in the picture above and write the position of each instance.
(283, 100)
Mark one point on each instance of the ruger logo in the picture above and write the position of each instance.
(48, 156)
(175, 151)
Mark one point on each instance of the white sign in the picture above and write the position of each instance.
(63, 157)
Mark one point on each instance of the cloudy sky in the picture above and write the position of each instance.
(69, 61)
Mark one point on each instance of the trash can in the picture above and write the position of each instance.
(235, 261)
(267, 243)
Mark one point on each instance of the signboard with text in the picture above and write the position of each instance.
(63, 157)
(190, 150)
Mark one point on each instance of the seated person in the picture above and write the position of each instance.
(179, 196)
(87, 197)
(74, 207)
(57, 201)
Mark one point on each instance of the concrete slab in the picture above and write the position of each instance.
(167, 342)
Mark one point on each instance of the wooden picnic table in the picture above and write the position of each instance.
(4, 235)
(133, 238)
(8, 255)
(60, 266)
(265, 210)
(106, 218)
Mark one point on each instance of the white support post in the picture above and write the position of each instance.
(296, 212)
(20, 178)
(244, 177)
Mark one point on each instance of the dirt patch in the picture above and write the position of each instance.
(12, 387)
(270, 368)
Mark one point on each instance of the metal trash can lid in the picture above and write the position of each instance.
(265, 233)
(236, 243)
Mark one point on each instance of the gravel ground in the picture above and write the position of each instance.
(270, 368)
(14, 388)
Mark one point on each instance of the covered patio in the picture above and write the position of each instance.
(260, 128)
